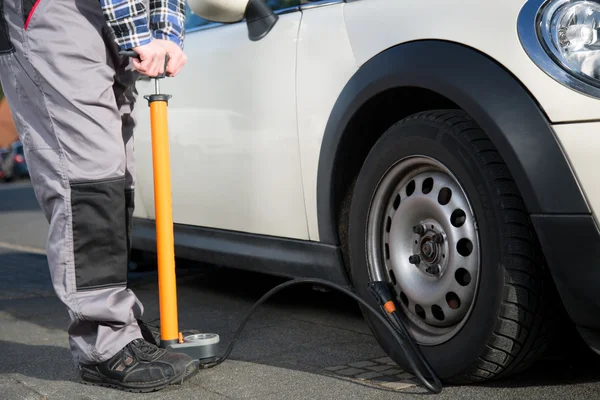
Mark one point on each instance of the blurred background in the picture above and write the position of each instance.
(12, 157)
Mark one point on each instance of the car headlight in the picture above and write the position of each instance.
(564, 34)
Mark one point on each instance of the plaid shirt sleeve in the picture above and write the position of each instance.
(128, 19)
(167, 19)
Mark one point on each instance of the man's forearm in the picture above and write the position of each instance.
(128, 19)
(167, 19)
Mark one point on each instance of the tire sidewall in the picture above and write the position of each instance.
(420, 137)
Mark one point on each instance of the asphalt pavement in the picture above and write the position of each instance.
(304, 344)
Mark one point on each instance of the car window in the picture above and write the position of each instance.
(193, 21)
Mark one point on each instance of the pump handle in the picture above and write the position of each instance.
(134, 54)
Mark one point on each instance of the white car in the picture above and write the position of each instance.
(448, 147)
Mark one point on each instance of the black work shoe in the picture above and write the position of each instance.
(151, 333)
(140, 367)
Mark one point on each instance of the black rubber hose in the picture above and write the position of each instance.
(412, 352)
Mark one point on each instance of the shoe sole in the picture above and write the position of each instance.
(190, 370)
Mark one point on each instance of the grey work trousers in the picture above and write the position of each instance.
(72, 98)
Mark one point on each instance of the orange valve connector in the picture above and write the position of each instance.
(390, 307)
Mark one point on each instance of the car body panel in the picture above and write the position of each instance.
(323, 45)
(140, 208)
(580, 143)
(233, 133)
(325, 64)
(488, 26)
(272, 255)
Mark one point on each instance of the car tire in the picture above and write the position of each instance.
(492, 320)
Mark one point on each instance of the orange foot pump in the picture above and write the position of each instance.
(202, 346)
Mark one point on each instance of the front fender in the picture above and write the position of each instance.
(499, 103)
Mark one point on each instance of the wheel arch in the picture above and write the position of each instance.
(440, 74)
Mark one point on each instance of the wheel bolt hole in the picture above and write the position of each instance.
(444, 196)
(404, 299)
(397, 202)
(437, 312)
(388, 224)
(464, 247)
(458, 218)
(463, 277)
(453, 300)
(420, 311)
(410, 188)
(392, 277)
(427, 186)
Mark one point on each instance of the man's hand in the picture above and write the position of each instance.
(177, 57)
(152, 58)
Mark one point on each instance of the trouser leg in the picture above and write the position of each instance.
(59, 82)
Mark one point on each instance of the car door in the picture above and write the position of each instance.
(233, 130)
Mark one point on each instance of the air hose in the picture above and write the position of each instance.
(381, 292)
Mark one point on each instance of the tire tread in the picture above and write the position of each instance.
(522, 330)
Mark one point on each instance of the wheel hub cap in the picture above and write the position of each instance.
(423, 239)
(431, 249)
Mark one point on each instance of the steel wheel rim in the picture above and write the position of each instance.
(437, 294)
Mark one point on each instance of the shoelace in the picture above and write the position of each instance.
(144, 348)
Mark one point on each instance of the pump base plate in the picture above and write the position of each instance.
(200, 346)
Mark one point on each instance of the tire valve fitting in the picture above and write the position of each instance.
(414, 259)
(419, 229)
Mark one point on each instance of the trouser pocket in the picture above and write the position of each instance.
(6, 45)
(99, 233)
